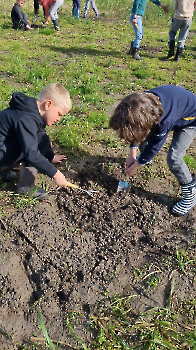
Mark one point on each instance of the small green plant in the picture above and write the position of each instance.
(22, 201)
(184, 260)
(153, 282)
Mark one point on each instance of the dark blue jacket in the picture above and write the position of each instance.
(179, 106)
(22, 121)
(17, 16)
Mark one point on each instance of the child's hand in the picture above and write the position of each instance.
(28, 27)
(129, 161)
(165, 8)
(58, 158)
(60, 179)
(131, 171)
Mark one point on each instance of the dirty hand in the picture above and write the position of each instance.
(60, 179)
(58, 158)
(165, 8)
(131, 171)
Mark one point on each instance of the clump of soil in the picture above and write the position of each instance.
(71, 249)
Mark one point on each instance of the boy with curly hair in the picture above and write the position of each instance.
(145, 119)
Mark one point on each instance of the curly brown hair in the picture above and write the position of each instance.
(136, 116)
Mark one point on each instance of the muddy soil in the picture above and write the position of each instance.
(68, 251)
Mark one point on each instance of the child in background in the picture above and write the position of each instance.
(136, 21)
(23, 137)
(146, 119)
(87, 8)
(51, 8)
(76, 9)
(19, 19)
(182, 21)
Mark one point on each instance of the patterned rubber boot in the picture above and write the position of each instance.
(189, 199)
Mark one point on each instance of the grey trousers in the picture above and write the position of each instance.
(182, 139)
(183, 26)
(54, 8)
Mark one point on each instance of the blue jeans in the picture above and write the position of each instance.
(182, 139)
(139, 34)
(183, 26)
(93, 6)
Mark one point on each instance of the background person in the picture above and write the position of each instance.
(136, 21)
(19, 19)
(182, 21)
(93, 6)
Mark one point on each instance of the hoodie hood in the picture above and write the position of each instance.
(24, 103)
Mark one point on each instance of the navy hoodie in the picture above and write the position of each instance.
(179, 106)
(23, 121)
(17, 16)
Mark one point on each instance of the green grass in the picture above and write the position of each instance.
(90, 59)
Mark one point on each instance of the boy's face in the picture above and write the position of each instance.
(20, 2)
(52, 114)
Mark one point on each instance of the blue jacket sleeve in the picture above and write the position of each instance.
(156, 2)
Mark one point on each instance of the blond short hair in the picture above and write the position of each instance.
(58, 94)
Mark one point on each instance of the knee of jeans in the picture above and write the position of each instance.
(172, 159)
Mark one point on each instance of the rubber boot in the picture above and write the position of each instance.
(135, 54)
(77, 13)
(26, 183)
(171, 48)
(56, 24)
(7, 174)
(130, 52)
(189, 199)
(178, 54)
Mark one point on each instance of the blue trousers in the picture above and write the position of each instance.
(139, 33)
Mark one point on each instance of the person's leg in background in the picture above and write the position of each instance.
(138, 37)
(184, 30)
(53, 13)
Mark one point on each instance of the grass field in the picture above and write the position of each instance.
(90, 58)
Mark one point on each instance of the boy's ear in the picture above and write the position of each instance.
(47, 104)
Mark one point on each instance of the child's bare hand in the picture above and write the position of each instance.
(60, 179)
(131, 171)
(58, 158)
(165, 8)
(129, 161)
(28, 27)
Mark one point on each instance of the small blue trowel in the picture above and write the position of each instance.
(123, 186)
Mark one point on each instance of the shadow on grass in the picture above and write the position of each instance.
(85, 51)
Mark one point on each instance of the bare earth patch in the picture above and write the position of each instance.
(73, 248)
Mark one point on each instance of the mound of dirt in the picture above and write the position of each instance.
(70, 250)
